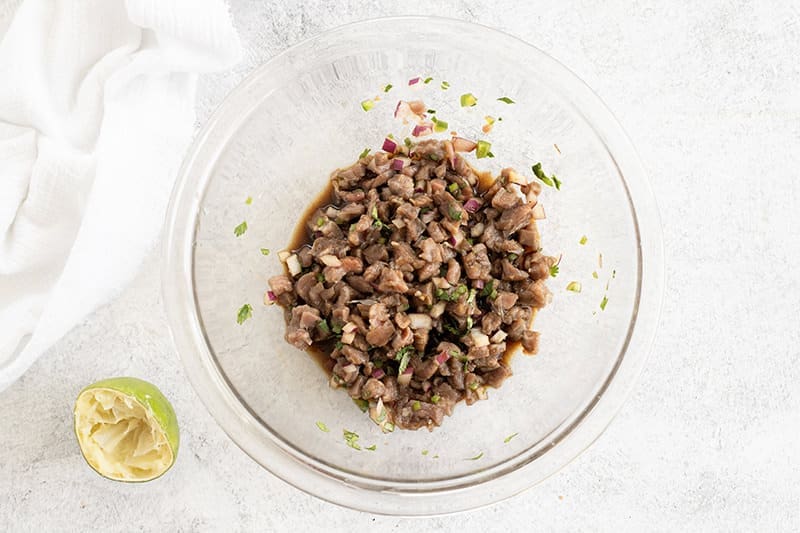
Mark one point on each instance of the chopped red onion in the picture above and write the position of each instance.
(421, 130)
(478, 284)
(442, 358)
(451, 241)
(405, 378)
(413, 81)
(271, 296)
(397, 164)
(472, 205)
(378, 373)
(389, 145)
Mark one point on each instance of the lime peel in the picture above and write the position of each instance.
(126, 429)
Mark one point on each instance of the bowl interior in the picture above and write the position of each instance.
(278, 138)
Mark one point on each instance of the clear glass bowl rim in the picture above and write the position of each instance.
(405, 499)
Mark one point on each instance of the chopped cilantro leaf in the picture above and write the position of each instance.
(245, 312)
(431, 111)
(404, 356)
(351, 439)
(428, 80)
(240, 229)
(506, 100)
(362, 404)
(387, 87)
(453, 212)
(265, 251)
(323, 326)
(554, 271)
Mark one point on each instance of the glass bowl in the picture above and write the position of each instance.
(277, 137)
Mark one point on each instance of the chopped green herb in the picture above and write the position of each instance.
(471, 297)
(427, 80)
(508, 439)
(390, 136)
(476, 457)
(245, 312)
(468, 100)
(425, 210)
(584, 240)
(404, 356)
(482, 149)
(505, 100)
(434, 157)
(613, 274)
(594, 274)
(554, 271)
(489, 291)
(351, 439)
(424, 452)
(453, 188)
(387, 87)
(388, 427)
(439, 125)
(445, 85)
(364, 154)
(556, 182)
(339, 345)
(461, 289)
(336, 329)
(240, 229)
(362, 404)
(473, 386)
(431, 111)
(375, 217)
(603, 303)
(321, 222)
(458, 355)
(320, 277)
(574, 286)
(265, 251)
(249, 200)
(512, 257)
(416, 406)
(436, 456)
(323, 427)
(453, 212)
(490, 154)
(323, 326)
(366, 105)
(407, 142)
(435, 398)
(372, 448)
(537, 171)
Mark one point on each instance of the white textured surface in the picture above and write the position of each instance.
(709, 94)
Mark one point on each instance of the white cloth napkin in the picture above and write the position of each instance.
(96, 111)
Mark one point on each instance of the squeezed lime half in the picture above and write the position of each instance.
(126, 429)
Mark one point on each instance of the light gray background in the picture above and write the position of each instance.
(710, 94)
